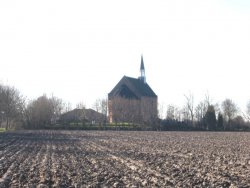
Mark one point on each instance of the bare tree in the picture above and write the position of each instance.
(97, 106)
(44, 111)
(39, 112)
(12, 105)
(104, 107)
(178, 113)
(81, 105)
(101, 106)
(217, 109)
(173, 112)
(207, 100)
(200, 111)
(202, 107)
(170, 112)
(190, 106)
(248, 111)
(161, 112)
(67, 107)
(238, 122)
(57, 108)
(229, 110)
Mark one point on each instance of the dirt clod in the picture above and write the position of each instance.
(124, 159)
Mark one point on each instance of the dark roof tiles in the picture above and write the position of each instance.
(132, 88)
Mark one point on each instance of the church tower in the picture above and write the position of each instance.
(133, 95)
(142, 70)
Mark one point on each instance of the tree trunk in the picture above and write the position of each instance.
(7, 123)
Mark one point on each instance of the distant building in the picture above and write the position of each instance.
(83, 115)
(132, 100)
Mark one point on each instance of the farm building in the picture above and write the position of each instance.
(83, 115)
(132, 100)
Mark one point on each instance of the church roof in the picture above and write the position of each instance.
(132, 88)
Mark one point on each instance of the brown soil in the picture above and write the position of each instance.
(124, 159)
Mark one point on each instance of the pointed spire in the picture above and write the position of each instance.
(142, 70)
(142, 63)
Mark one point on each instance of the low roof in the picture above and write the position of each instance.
(82, 114)
(133, 88)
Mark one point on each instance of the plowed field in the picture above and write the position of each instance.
(124, 159)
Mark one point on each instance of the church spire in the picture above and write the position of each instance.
(142, 63)
(142, 70)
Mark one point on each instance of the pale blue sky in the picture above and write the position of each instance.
(78, 50)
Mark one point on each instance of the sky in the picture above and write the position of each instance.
(79, 50)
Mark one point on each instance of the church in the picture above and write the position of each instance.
(132, 100)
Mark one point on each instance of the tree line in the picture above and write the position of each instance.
(206, 115)
(16, 111)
